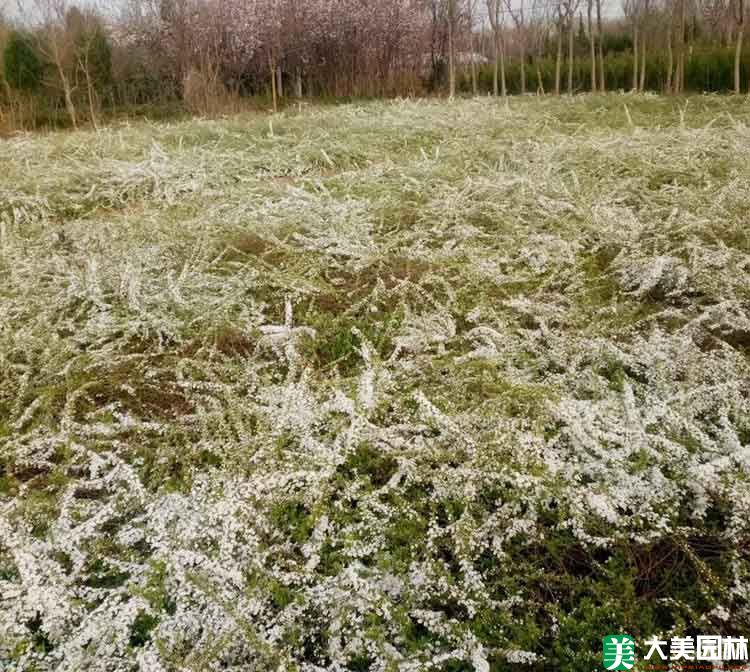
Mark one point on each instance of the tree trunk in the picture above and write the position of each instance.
(272, 67)
(643, 63)
(539, 81)
(92, 98)
(600, 32)
(679, 83)
(83, 64)
(592, 45)
(67, 92)
(298, 82)
(495, 81)
(70, 107)
(635, 57)
(451, 59)
(503, 86)
(522, 46)
(670, 57)
(558, 59)
(474, 88)
(738, 47)
(279, 82)
(570, 56)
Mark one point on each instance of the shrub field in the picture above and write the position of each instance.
(399, 386)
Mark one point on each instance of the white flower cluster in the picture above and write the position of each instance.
(465, 396)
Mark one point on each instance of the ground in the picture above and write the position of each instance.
(401, 386)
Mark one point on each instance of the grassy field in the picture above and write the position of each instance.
(404, 386)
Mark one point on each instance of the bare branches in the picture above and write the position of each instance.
(738, 14)
(496, 13)
(518, 13)
(279, 48)
(568, 9)
(55, 42)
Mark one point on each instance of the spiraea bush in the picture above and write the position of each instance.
(403, 386)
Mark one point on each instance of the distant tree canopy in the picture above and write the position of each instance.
(23, 66)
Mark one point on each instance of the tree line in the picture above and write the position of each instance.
(208, 55)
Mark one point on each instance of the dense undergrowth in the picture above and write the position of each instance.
(708, 69)
(401, 386)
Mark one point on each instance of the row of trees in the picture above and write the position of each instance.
(67, 56)
(203, 51)
(673, 25)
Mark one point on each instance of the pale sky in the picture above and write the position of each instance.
(10, 8)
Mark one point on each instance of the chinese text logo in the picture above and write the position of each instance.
(618, 652)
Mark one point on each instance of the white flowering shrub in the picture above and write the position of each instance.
(409, 386)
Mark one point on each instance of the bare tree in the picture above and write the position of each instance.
(645, 25)
(54, 43)
(4, 33)
(471, 6)
(632, 11)
(559, 25)
(496, 17)
(669, 29)
(83, 58)
(678, 83)
(452, 25)
(570, 8)
(738, 13)
(539, 32)
(600, 32)
(438, 38)
(592, 45)
(86, 33)
(272, 15)
(518, 15)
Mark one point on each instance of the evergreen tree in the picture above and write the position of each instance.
(22, 64)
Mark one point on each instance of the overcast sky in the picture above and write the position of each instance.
(10, 8)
